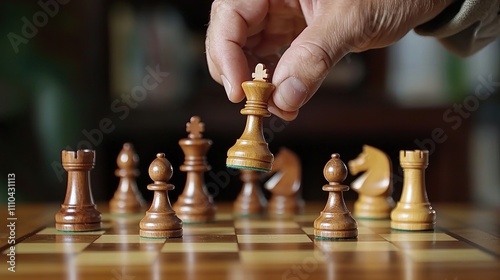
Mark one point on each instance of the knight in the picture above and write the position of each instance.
(374, 186)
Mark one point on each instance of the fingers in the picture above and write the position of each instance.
(304, 66)
(231, 23)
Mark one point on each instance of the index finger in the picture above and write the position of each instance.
(231, 23)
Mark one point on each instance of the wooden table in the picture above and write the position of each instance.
(465, 245)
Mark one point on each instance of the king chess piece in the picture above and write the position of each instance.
(251, 150)
(160, 220)
(195, 204)
(335, 221)
(127, 199)
(413, 212)
(78, 212)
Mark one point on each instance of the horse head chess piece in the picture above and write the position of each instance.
(374, 186)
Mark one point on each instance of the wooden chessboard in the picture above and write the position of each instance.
(465, 245)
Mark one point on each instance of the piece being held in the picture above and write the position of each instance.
(374, 186)
(160, 220)
(251, 150)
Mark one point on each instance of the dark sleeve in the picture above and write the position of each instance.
(466, 26)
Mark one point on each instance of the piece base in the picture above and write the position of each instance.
(373, 218)
(160, 233)
(333, 238)
(265, 170)
(335, 234)
(412, 226)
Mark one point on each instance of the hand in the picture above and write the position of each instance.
(314, 35)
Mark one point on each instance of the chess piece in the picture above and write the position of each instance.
(127, 198)
(195, 204)
(160, 220)
(335, 221)
(78, 212)
(284, 185)
(251, 150)
(413, 211)
(251, 200)
(374, 186)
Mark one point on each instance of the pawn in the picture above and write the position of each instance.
(251, 200)
(127, 199)
(251, 150)
(335, 221)
(160, 220)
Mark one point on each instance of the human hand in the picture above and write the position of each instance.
(315, 33)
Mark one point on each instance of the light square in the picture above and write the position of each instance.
(364, 230)
(116, 258)
(306, 218)
(49, 248)
(279, 257)
(199, 247)
(53, 230)
(223, 216)
(265, 224)
(206, 230)
(418, 236)
(308, 230)
(356, 246)
(273, 238)
(111, 238)
(448, 255)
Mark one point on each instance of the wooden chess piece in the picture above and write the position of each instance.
(195, 204)
(251, 200)
(160, 220)
(374, 186)
(251, 150)
(78, 212)
(284, 185)
(413, 211)
(127, 198)
(335, 221)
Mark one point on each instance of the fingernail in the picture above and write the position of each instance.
(227, 86)
(293, 93)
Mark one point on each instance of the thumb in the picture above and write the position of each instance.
(303, 67)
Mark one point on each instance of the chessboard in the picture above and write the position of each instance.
(464, 245)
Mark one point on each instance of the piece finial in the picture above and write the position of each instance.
(260, 73)
(160, 170)
(195, 127)
(335, 170)
(127, 158)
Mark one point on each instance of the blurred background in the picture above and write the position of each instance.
(71, 77)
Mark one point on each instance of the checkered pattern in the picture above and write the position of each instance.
(237, 242)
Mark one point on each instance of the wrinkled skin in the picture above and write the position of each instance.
(301, 40)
